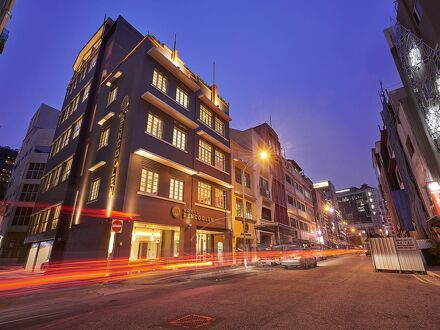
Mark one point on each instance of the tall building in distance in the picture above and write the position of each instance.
(24, 183)
(5, 16)
(140, 163)
(7, 160)
(413, 41)
(362, 208)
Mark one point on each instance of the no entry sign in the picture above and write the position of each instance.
(117, 226)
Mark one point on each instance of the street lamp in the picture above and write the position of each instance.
(262, 155)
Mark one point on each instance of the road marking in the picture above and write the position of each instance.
(424, 280)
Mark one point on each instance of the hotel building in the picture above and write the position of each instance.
(141, 139)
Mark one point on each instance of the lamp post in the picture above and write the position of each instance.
(262, 155)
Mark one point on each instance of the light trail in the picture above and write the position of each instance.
(88, 272)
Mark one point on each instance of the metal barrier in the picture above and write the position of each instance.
(396, 254)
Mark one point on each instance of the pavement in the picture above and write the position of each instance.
(341, 293)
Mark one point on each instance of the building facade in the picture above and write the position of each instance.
(272, 226)
(362, 208)
(300, 206)
(24, 183)
(7, 160)
(413, 42)
(393, 156)
(5, 16)
(141, 139)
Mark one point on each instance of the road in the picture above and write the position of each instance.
(342, 293)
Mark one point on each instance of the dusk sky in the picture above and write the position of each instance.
(313, 67)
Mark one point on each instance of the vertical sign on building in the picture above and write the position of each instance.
(434, 191)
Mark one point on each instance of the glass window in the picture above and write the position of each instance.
(204, 193)
(35, 171)
(94, 189)
(238, 207)
(290, 200)
(176, 189)
(205, 115)
(76, 128)
(205, 151)
(103, 139)
(266, 213)
(93, 62)
(220, 198)
(56, 175)
(219, 126)
(22, 216)
(159, 81)
(113, 92)
(179, 138)
(248, 210)
(154, 126)
(65, 138)
(55, 217)
(182, 97)
(66, 171)
(86, 92)
(29, 192)
(220, 160)
(247, 180)
(149, 181)
(238, 175)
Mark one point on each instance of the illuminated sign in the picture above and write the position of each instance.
(434, 191)
(124, 108)
(320, 184)
(189, 214)
(342, 191)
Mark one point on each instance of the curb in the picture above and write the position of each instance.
(432, 274)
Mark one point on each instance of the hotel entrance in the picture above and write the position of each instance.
(210, 245)
(151, 241)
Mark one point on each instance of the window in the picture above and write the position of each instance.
(205, 151)
(29, 192)
(35, 171)
(154, 126)
(220, 198)
(93, 62)
(149, 181)
(176, 189)
(288, 179)
(66, 171)
(94, 189)
(418, 12)
(64, 140)
(220, 160)
(239, 207)
(247, 180)
(290, 199)
(55, 217)
(409, 147)
(266, 213)
(179, 138)
(264, 187)
(44, 220)
(238, 174)
(204, 193)
(76, 128)
(83, 72)
(103, 139)
(74, 104)
(22, 216)
(219, 126)
(248, 210)
(159, 81)
(205, 115)
(56, 175)
(86, 92)
(182, 97)
(113, 92)
(35, 223)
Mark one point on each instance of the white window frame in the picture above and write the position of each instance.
(182, 97)
(154, 125)
(176, 189)
(160, 81)
(205, 115)
(205, 151)
(219, 126)
(103, 138)
(149, 182)
(220, 160)
(94, 189)
(220, 197)
(204, 192)
(179, 138)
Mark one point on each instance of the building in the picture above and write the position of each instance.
(5, 16)
(361, 208)
(24, 183)
(328, 214)
(300, 207)
(7, 160)
(391, 160)
(140, 139)
(269, 209)
(413, 42)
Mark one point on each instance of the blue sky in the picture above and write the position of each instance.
(312, 67)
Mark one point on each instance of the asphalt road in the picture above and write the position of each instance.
(342, 293)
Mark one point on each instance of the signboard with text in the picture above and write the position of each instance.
(405, 243)
(117, 226)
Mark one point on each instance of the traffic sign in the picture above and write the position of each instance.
(117, 226)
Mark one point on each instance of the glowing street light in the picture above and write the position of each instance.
(353, 230)
(263, 155)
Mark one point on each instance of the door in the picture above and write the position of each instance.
(143, 248)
